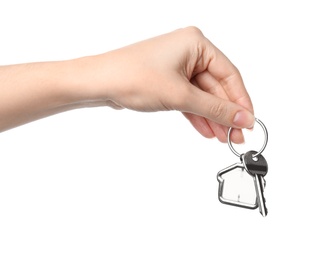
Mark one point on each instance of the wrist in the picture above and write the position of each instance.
(72, 84)
(87, 80)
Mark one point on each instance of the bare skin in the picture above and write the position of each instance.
(181, 70)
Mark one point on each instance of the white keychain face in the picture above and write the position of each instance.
(238, 186)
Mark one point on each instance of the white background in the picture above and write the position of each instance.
(103, 184)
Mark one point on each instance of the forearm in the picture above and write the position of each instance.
(32, 91)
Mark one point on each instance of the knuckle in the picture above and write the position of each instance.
(193, 31)
(218, 111)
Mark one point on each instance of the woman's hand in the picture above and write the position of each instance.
(181, 70)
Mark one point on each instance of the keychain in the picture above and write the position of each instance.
(242, 184)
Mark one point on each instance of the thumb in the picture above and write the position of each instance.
(219, 110)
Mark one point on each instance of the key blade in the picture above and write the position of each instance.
(259, 185)
(257, 167)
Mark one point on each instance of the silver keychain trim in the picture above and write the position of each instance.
(264, 144)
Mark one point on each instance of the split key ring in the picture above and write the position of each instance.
(264, 144)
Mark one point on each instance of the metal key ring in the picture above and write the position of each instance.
(263, 147)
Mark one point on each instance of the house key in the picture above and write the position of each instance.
(257, 167)
(245, 178)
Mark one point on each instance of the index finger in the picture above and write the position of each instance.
(222, 69)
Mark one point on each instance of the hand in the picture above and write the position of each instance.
(181, 70)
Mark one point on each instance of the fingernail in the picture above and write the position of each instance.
(243, 119)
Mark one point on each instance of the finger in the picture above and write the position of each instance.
(221, 68)
(203, 127)
(208, 83)
(237, 136)
(200, 124)
(215, 109)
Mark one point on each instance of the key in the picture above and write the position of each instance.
(258, 168)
